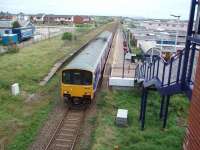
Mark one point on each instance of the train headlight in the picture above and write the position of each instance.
(66, 92)
(87, 93)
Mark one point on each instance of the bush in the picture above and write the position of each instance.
(83, 25)
(67, 36)
(16, 24)
(4, 84)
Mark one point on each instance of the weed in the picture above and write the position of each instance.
(67, 36)
(107, 134)
(92, 120)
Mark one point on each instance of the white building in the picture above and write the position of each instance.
(164, 25)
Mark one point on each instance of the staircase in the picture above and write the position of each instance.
(166, 76)
(173, 76)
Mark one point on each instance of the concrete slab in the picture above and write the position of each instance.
(124, 82)
(122, 117)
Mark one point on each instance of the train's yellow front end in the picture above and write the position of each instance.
(76, 86)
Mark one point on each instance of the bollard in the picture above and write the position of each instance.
(15, 89)
(116, 147)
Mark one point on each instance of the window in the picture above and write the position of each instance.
(77, 77)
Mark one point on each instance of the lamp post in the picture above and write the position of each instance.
(178, 20)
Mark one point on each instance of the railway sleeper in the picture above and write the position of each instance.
(66, 135)
(70, 126)
(72, 121)
(61, 146)
(74, 115)
(68, 130)
(64, 142)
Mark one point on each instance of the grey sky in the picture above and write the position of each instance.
(141, 8)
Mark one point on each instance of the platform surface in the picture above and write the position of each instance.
(118, 58)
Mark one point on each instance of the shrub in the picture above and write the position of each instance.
(4, 84)
(16, 24)
(67, 36)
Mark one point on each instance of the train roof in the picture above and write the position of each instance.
(88, 58)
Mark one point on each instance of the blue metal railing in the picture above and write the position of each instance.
(167, 72)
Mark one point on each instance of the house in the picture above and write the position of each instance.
(37, 18)
(82, 19)
(7, 16)
(22, 17)
(63, 19)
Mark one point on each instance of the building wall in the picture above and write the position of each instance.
(81, 19)
(192, 137)
(78, 19)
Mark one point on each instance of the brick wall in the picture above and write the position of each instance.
(78, 19)
(192, 138)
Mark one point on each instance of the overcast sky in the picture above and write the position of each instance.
(133, 8)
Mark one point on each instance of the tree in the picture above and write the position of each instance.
(16, 24)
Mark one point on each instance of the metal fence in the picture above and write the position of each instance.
(45, 35)
(128, 71)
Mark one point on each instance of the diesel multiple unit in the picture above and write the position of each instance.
(81, 76)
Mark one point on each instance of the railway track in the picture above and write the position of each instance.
(67, 131)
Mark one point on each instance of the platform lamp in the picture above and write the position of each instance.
(178, 20)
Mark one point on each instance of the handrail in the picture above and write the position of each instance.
(161, 69)
(167, 72)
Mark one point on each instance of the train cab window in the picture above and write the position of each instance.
(66, 77)
(86, 78)
(77, 77)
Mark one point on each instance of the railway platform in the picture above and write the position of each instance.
(122, 71)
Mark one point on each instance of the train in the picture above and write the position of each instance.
(81, 76)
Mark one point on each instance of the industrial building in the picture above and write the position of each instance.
(164, 24)
(165, 40)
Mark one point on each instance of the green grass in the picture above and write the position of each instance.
(107, 134)
(21, 120)
(136, 50)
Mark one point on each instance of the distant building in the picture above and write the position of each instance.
(7, 16)
(164, 25)
(82, 19)
(22, 17)
(59, 19)
(37, 18)
(164, 40)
